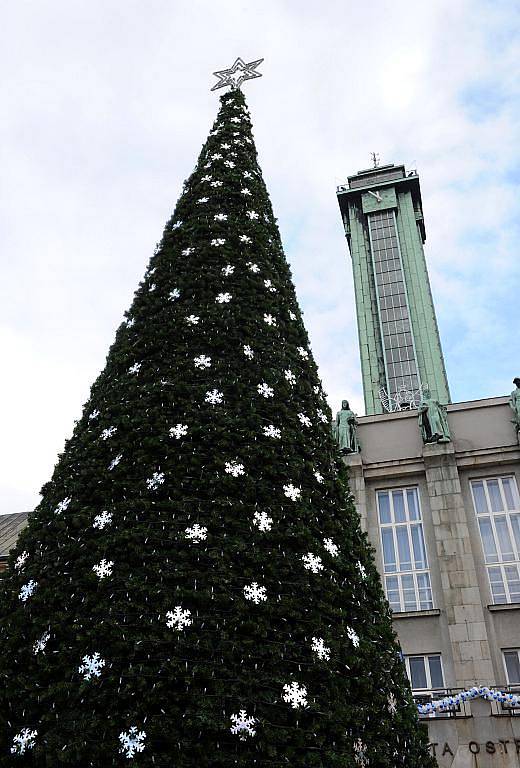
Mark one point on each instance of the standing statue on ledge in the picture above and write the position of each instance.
(433, 420)
(345, 429)
(514, 402)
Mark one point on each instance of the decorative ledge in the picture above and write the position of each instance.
(416, 614)
(504, 607)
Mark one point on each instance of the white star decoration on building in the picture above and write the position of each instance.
(238, 73)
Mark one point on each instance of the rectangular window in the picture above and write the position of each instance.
(425, 672)
(405, 563)
(512, 665)
(497, 507)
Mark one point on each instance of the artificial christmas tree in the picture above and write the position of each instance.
(194, 588)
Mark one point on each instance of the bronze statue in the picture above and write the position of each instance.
(514, 402)
(345, 429)
(433, 420)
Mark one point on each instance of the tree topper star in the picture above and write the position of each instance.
(235, 75)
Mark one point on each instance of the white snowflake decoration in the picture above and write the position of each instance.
(322, 416)
(318, 476)
(269, 285)
(362, 570)
(255, 593)
(103, 568)
(193, 319)
(223, 298)
(106, 433)
(218, 241)
(62, 506)
(245, 239)
(27, 590)
(23, 741)
(320, 649)
(228, 270)
(225, 146)
(269, 319)
(202, 361)
(272, 431)
(152, 287)
(129, 322)
(295, 695)
(242, 725)
(331, 548)
(234, 468)
(132, 742)
(206, 178)
(93, 415)
(265, 390)
(312, 562)
(353, 637)
(115, 461)
(214, 397)
(216, 156)
(262, 521)
(102, 520)
(188, 251)
(248, 352)
(39, 645)
(290, 377)
(254, 268)
(203, 199)
(234, 119)
(135, 368)
(21, 560)
(174, 295)
(304, 420)
(360, 755)
(229, 163)
(247, 175)
(246, 192)
(178, 619)
(178, 431)
(392, 704)
(215, 184)
(177, 224)
(303, 353)
(92, 666)
(155, 481)
(292, 492)
(253, 215)
(292, 316)
(196, 533)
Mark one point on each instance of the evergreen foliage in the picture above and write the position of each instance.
(194, 588)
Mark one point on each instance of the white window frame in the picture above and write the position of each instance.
(510, 650)
(413, 571)
(425, 657)
(506, 513)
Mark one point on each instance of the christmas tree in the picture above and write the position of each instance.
(194, 588)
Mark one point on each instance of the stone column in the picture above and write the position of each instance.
(464, 610)
(354, 463)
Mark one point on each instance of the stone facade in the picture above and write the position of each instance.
(465, 626)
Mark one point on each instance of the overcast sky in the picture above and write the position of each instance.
(104, 106)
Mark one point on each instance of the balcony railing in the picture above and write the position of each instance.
(462, 709)
(504, 708)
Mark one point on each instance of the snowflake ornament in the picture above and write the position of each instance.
(229, 163)
(228, 270)
(92, 666)
(318, 476)
(262, 521)
(62, 506)
(322, 416)
(246, 192)
(215, 184)
(27, 590)
(202, 200)
(152, 287)
(303, 353)
(132, 742)
(254, 268)
(269, 319)
(253, 215)
(242, 725)
(331, 548)
(292, 492)
(269, 285)
(255, 593)
(272, 431)
(216, 156)
(21, 560)
(39, 645)
(23, 741)
(174, 295)
(178, 619)
(102, 520)
(290, 377)
(292, 316)
(178, 431)
(135, 368)
(188, 251)
(129, 322)
(245, 239)
(218, 241)
(206, 178)
(202, 361)
(312, 562)
(353, 637)
(155, 480)
(193, 319)
(103, 568)
(248, 352)
(225, 146)
(93, 415)
(320, 649)
(362, 570)
(360, 753)
(247, 175)
(214, 397)
(391, 704)
(265, 390)
(234, 468)
(295, 695)
(220, 217)
(196, 533)
(223, 298)
(177, 225)
(106, 433)
(304, 420)
(234, 119)
(115, 461)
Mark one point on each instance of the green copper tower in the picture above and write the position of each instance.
(398, 335)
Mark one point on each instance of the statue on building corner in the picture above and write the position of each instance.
(514, 402)
(433, 420)
(345, 429)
